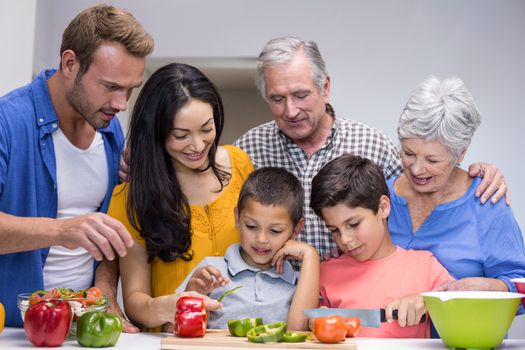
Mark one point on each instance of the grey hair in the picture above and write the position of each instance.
(442, 111)
(283, 50)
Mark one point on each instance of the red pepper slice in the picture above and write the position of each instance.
(47, 322)
(191, 318)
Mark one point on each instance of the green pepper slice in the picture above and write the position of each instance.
(267, 333)
(228, 293)
(239, 328)
(294, 337)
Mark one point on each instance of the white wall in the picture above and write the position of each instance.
(376, 51)
(17, 32)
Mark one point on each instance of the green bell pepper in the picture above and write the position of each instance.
(239, 328)
(267, 333)
(97, 329)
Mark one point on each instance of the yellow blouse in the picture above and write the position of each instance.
(212, 226)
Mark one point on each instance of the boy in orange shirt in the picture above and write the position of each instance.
(351, 195)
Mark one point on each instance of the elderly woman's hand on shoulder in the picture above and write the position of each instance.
(493, 185)
(474, 284)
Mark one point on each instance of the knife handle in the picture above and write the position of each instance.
(394, 315)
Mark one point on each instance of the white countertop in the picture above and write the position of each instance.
(14, 338)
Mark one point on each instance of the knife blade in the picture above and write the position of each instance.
(368, 317)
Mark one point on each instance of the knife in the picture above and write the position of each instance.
(368, 317)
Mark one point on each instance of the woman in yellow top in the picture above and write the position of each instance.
(179, 204)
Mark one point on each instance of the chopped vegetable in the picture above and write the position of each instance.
(228, 293)
(267, 333)
(354, 325)
(191, 317)
(294, 337)
(239, 328)
(90, 296)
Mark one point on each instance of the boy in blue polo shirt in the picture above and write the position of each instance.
(269, 217)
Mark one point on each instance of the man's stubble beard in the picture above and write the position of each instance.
(79, 101)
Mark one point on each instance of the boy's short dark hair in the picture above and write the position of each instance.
(351, 180)
(276, 187)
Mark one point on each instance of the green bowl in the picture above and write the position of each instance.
(472, 320)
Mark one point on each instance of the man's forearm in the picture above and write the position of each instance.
(19, 234)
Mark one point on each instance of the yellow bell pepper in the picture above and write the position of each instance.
(2, 317)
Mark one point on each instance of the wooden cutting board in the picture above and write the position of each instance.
(222, 340)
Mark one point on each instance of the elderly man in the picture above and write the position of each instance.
(306, 134)
(60, 145)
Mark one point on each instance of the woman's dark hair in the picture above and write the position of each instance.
(156, 205)
(351, 180)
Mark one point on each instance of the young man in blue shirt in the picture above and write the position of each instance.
(60, 145)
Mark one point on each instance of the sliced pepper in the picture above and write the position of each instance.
(228, 293)
(267, 333)
(191, 318)
(96, 329)
(239, 328)
(294, 337)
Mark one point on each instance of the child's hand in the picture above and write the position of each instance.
(292, 249)
(206, 279)
(410, 309)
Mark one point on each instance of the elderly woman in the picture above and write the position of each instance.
(434, 206)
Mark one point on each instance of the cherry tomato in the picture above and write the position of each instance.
(353, 324)
(34, 298)
(330, 329)
(92, 295)
(55, 293)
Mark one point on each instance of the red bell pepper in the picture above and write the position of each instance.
(191, 318)
(47, 322)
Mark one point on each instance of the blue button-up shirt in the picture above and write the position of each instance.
(264, 293)
(28, 179)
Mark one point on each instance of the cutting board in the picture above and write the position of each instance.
(222, 340)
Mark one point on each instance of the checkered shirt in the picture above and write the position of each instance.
(267, 145)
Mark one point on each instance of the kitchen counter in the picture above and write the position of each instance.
(14, 338)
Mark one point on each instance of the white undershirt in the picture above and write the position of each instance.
(82, 183)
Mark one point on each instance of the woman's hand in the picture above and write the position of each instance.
(493, 184)
(168, 312)
(410, 309)
(206, 279)
(114, 308)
